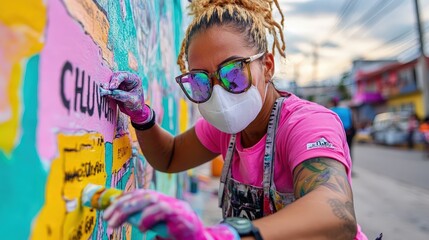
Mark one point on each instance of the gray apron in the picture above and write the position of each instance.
(241, 200)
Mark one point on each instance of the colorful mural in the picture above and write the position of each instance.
(57, 133)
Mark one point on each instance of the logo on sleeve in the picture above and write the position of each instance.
(321, 143)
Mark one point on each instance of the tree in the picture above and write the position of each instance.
(342, 88)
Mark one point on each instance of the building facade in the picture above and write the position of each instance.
(393, 87)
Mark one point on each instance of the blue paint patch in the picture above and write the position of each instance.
(23, 177)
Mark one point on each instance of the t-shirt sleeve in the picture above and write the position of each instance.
(208, 135)
(316, 133)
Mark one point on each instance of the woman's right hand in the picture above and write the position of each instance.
(126, 88)
(171, 215)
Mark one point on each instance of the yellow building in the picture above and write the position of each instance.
(411, 101)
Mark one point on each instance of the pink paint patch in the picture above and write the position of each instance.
(71, 70)
(5, 70)
(156, 101)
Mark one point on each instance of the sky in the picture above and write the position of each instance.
(339, 31)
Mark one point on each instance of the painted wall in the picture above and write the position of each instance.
(56, 132)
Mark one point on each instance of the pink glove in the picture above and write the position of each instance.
(126, 88)
(182, 223)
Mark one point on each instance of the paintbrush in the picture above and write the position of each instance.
(99, 197)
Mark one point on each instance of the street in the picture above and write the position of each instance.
(406, 166)
(391, 192)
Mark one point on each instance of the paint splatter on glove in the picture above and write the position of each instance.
(181, 221)
(126, 88)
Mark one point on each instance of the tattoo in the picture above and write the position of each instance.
(345, 212)
(330, 174)
(317, 172)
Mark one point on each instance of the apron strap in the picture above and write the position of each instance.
(270, 147)
(226, 169)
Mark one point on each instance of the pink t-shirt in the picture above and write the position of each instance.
(305, 130)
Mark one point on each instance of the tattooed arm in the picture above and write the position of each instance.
(323, 209)
(327, 178)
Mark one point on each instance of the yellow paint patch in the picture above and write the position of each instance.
(81, 161)
(121, 152)
(132, 61)
(94, 22)
(132, 132)
(9, 127)
(183, 115)
(29, 13)
(22, 23)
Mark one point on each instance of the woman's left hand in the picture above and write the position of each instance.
(155, 207)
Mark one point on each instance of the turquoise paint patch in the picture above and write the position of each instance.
(136, 234)
(23, 177)
(108, 161)
(170, 106)
(97, 235)
(178, 31)
(122, 33)
(166, 183)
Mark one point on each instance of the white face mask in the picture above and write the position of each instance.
(229, 112)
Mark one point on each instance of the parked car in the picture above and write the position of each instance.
(390, 128)
(364, 135)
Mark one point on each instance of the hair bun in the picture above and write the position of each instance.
(256, 14)
(197, 7)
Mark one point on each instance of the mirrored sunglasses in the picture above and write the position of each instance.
(233, 76)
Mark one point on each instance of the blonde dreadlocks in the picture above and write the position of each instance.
(252, 17)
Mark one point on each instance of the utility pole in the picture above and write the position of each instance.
(419, 28)
(422, 69)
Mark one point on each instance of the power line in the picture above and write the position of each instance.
(418, 37)
(399, 37)
(372, 16)
(368, 13)
(342, 17)
(392, 47)
(348, 7)
(375, 9)
(399, 40)
(407, 48)
(395, 49)
(375, 14)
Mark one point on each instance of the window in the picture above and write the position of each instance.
(407, 80)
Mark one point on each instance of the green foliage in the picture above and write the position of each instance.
(342, 88)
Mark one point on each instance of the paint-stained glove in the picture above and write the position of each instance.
(180, 220)
(126, 88)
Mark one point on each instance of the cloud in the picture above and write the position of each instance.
(329, 44)
(294, 42)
